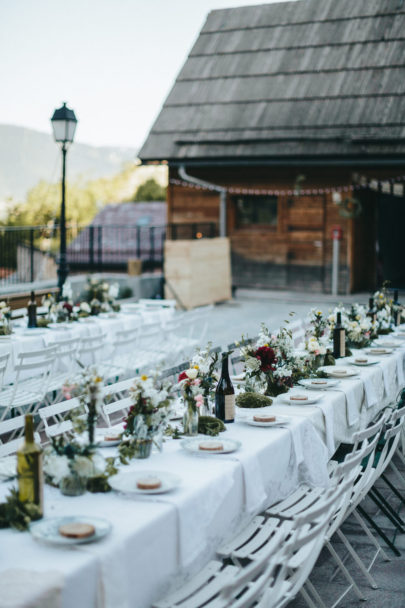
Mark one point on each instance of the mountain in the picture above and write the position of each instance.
(27, 156)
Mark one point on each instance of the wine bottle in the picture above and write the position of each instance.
(29, 469)
(372, 311)
(396, 309)
(32, 311)
(339, 338)
(225, 395)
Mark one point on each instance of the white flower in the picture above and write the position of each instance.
(83, 466)
(3, 304)
(192, 373)
(57, 467)
(84, 307)
(67, 291)
(114, 291)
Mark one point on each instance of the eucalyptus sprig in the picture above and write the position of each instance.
(16, 514)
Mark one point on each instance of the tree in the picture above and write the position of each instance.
(150, 191)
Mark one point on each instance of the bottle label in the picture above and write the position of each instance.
(342, 352)
(398, 318)
(229, 407)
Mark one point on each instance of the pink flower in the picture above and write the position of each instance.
(199, 400)
(196, 382)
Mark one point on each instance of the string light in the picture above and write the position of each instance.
(389, 186)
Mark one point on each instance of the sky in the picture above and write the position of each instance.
(113, 61)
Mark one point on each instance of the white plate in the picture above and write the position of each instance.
(8, 467)
(191, 445)
(238, 378)
(279, 421)
(340, 372)
(34, 331)
(126, 482)
(388, 344)
(378, 351)
(9, 336)
(104, 443)
(47, 529)
(310, 399)
(353, 361)
(62, 325)
(400, 336)
(321, 384)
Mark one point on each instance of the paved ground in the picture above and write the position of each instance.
(244, 315)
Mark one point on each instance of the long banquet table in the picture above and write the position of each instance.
(26, 340)
(156, 542)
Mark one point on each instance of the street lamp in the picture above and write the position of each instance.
(64, 124)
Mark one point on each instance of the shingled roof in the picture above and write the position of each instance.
(292, 79)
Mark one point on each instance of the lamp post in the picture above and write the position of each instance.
(64, 124)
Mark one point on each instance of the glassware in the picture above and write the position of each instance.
(190, 421)
(73, 484)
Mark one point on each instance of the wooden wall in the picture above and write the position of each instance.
(295, 254)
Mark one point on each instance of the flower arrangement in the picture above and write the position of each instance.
(101, 296)
(359, 327)
(74, 464)
(205, 361)
(147, 417)
(5, 316)
(191, 390)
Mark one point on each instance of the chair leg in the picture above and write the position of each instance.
(345, 572)
(372, 538)
(393, 488)
(315, 594)
(387, 509)
(307, 598)
(379, 531)
(357, 559)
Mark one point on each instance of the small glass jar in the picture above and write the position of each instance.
(190, 421)
(73, 484)
(143, 448)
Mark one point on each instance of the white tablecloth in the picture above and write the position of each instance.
(21, 341)
(157, 541)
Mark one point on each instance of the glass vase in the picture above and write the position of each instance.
(206, 409)
(190, 421)
(142, 448)
(319, 361)
(73, 485)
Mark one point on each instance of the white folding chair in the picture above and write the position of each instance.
(30, 385)
(55, 418)
(7, 429)
(3, 366)
(119, 408)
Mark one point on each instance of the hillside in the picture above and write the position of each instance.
(27, 156)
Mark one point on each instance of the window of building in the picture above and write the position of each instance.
(256, 210)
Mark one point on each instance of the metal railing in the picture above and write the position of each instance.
(30, 253)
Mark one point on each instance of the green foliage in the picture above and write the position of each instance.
(208, 425)
(251, 400)
(150, 191)
(16, 514)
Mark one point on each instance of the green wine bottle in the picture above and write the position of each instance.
(29, 469)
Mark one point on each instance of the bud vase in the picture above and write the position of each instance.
(319, 361)
(73, 484)
(143, 448)
(190, 421)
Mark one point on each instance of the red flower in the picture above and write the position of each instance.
(68, 307)
(183, 376)
(267, 358)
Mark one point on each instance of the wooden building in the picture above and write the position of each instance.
(286, 105)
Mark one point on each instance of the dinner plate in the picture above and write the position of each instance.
(308, 401)
(340, 372)
(379, 351)
(102, 442)
(62, 325)
(126, 482)
(318, 384)
(47, 529)
(5, 337)
(362, 361)
(8, 467)
(388, 344)
(191, 445)
(279, 421)
(34, 331)
(238, 378)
